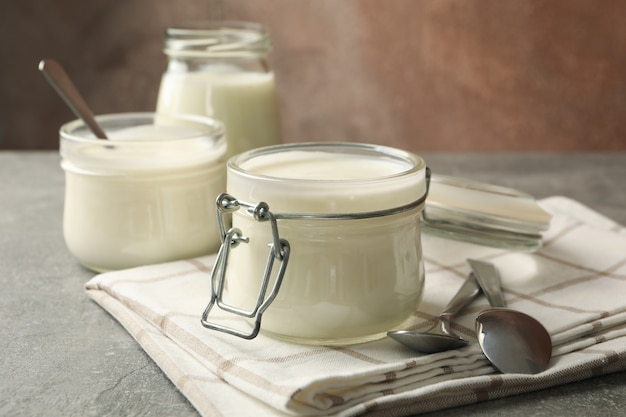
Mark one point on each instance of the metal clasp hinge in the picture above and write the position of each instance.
(278, 252)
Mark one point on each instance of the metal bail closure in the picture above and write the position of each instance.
(278, 251)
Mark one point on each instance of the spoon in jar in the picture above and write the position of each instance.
(513, 342)
(63, 85)
(440, 336)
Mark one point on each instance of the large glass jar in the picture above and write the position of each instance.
(221, 69)
(342, 221)
(146, 195)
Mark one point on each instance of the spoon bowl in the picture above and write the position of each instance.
(440, 336)
(512, 341)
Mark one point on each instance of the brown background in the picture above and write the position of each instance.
(423, 75)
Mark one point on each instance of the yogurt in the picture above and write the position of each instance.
(351, 214)
(245, 102)
(146, 195)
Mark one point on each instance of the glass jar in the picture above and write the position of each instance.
(146, 195)
(329, 234)
(221, 69)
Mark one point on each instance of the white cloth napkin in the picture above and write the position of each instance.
(574, 285)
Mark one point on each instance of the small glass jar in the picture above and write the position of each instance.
(338, 226)
(221, 69)
(146, 195)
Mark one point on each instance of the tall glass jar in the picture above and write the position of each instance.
(220, 69)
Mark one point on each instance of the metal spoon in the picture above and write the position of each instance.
(513, 342)
(61, 82)
(440, 336)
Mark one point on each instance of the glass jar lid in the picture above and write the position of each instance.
(482, 213)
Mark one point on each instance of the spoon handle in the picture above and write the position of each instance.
(489, 280)
(464, 295)
(61, 82)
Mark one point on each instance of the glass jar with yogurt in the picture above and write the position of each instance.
(325, 243)
(221, 69)
(146, 195)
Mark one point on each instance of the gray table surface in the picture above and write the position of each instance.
(62, 355)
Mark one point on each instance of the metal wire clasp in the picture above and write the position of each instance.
(278, 251)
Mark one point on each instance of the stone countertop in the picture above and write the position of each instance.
(64, 355)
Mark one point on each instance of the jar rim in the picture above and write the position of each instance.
(327, 177)
(416, 162)
(188, 140)
(119, 120)
(217, 38)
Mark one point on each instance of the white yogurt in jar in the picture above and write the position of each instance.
(145, 196)
(245, 102)
(349, 278)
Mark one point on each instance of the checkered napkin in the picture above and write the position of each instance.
(575, 285)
